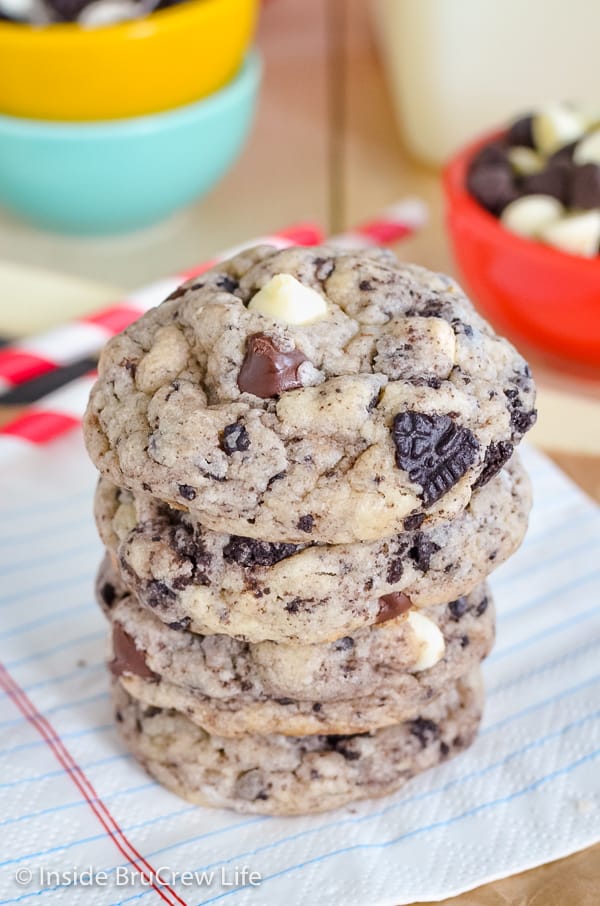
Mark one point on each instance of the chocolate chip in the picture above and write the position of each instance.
(305, 523)
(490, 179)
(434, 450)
(127, 656)
(235, 438)
(391, 606)
(458, 608)
(521, 132)
(250, 552)
(425, 730)
(187, 492)
(496, 455)
(268, 370)
(554, 181)
(414, 521)
(317, 707)
(108, 593)
(67, 10)
(563, 157)
(585, 187)
(422, 551)
(344, 644)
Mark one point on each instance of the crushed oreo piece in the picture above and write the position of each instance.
(482, 606)
(108, 593)
(414, 521)
(496, 455)
(425, 730)
(227, 283)
(344, 644)
(422, 551)
(305, 523)
(458, 608)
(181, 625)
(250, 552)
(342, 743)
(235, 439)
(187, 492)
(434, 450)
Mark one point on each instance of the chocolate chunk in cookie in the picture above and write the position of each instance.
(267, 369)
(434, 450)
(126, 657)
(391, 606)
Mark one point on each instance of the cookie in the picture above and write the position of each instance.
(218, 583)
(309, 395)
(283, 775)
(376, 678)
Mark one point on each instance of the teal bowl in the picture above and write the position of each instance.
(122, 175)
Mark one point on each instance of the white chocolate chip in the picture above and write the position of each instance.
(525, 161)
(529, 215)
(587, 151)
(164, 361)
(577, 234)
(284, 298)
(427, 639)
(555, 127)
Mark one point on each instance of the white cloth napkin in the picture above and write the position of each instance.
(73, 800)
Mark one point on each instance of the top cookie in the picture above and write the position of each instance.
(310, 394)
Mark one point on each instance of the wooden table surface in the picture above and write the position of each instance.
(325, 147)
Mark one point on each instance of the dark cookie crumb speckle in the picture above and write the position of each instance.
(444, 749)
(434, 450)
(235, 439)
(343, 745)
(425, 730)
(317, 707)
(465, 641)
(187, 492)
(305, 523)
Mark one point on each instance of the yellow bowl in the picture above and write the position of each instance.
(172, 57)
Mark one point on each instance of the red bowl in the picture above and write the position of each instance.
(538, 295)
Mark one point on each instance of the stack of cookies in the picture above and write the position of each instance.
(307, 473)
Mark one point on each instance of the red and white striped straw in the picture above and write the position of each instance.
(398, 221)
(62, 410)
(45, 352)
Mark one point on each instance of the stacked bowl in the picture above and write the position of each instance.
(112, 128)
